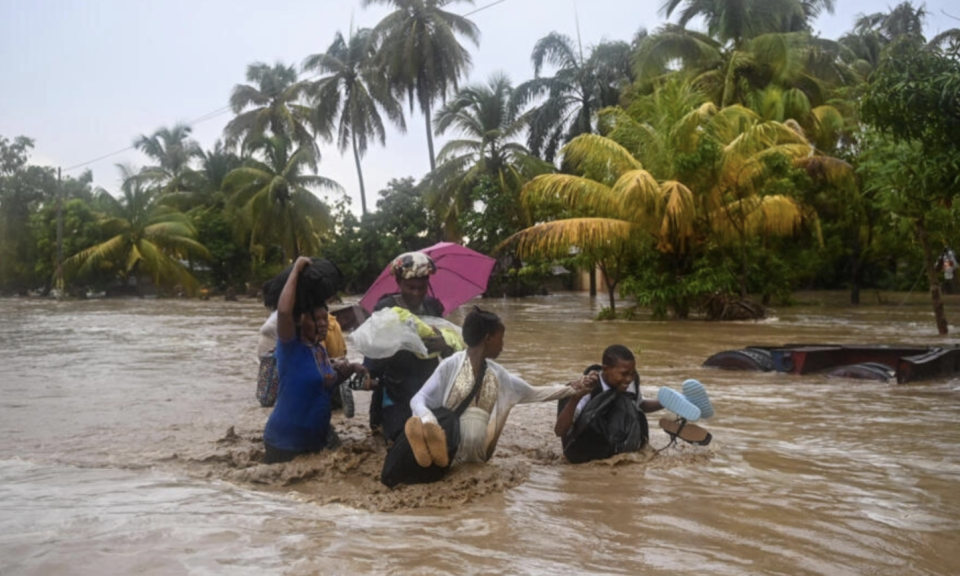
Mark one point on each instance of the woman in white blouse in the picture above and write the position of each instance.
(453, 381)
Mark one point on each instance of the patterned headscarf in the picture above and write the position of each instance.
(413, 265)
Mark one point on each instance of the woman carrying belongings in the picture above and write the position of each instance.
(300, 421)
(460, 412)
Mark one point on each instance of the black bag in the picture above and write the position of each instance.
(401, 467)
(610, 424)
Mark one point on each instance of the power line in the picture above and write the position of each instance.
(220, 111)
(484, 7)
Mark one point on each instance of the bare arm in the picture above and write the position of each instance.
(650, 405)
(566, 416)
(286, 324)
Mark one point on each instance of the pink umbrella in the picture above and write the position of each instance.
(461, 275)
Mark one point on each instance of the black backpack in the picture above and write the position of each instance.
(611, 423)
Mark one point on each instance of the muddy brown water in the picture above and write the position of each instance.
(131, 439)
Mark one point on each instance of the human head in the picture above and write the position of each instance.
(312, 325)
(483, 328)
(412, 271)
(619, 367)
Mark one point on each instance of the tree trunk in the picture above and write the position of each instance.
(593, 280)
(356, 158)
(743, 268)
(611, 291)
(855, 281)
(426, 115)
(932, 277)
(293, 236)
(856, 268)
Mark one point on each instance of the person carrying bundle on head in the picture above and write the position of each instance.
(300, 421)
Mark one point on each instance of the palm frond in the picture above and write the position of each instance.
(599, 158)
(574, 192)
(555, 239)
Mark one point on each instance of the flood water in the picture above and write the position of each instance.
(116, 456)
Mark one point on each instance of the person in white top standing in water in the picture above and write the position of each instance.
(499, 391)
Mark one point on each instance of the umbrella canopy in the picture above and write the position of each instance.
(461, 275)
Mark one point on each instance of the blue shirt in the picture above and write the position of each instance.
(301, 418)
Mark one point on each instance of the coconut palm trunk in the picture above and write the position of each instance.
(356, 159)
(427, 117)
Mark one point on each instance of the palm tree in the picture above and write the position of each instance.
(350, 99)
(275, 199)
(489, 123)
(215, 164)
(173, 150)
(421, 54)
(675, 170)
(145, 236)
(578, 89)
(272, 106)
(202, 187)
(780, 76)
(736, 21)
(874, 32)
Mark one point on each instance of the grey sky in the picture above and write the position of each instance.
(85, 77)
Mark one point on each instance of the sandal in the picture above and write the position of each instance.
(690, 433)
(678, 404)
(697, 394)
(418, 444)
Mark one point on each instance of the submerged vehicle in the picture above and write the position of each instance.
(881, 363)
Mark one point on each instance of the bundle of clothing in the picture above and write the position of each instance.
(317, 283)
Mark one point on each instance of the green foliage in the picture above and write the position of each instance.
(579, 88)
(915, 95)
(23, 190)
(271, 105)
(230, 260)
(13, 155)
(143, 238)
(363, 248)
(274, 195)
(654, 286)
(486, 154)
(81, 230)
(492, 218)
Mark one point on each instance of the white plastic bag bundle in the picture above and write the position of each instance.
(384, 334)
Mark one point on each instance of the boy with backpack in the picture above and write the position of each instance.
(610, 418)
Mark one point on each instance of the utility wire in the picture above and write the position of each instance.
(220, 111)
(484, 7)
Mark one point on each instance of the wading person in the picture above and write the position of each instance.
(300, 421)
(400, 376)
(610, 418)
(460, 412)
(334, 344)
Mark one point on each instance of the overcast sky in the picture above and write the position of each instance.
(83, 78)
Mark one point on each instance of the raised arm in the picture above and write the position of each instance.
(286, 323)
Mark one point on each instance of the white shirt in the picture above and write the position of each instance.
(510, 392)
(268, 335)
(604, 387)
